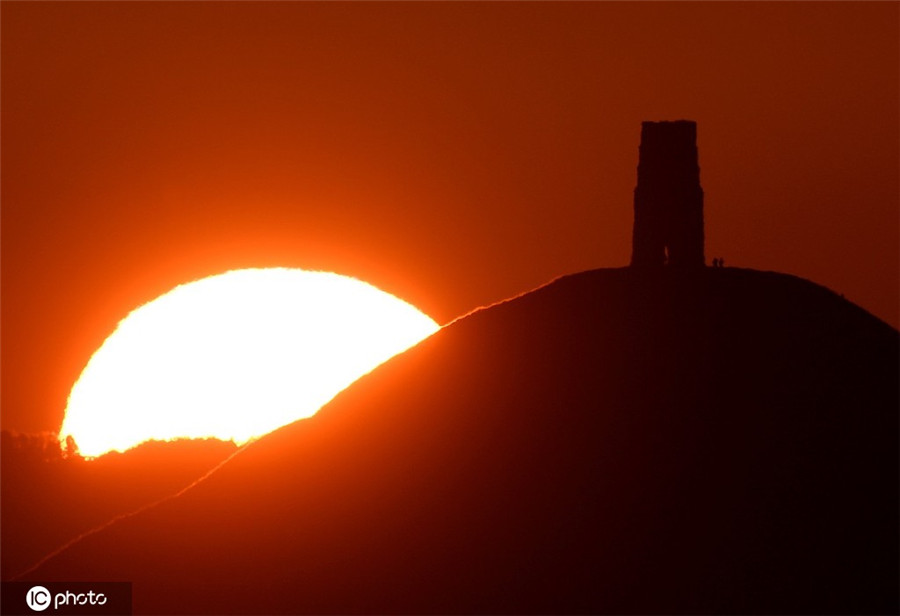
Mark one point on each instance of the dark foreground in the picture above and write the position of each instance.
(720, 442)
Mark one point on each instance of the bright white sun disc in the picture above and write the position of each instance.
(235, 356)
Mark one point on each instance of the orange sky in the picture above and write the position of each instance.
(454, 154)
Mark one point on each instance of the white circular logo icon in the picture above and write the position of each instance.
(38, 598)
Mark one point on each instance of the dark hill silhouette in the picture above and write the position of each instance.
(49, 499)
(714, 440)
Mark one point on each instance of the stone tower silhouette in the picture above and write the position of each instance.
(668, 200)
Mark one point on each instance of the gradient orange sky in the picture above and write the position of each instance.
(453, 154)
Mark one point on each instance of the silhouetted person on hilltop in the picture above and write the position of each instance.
(668, 200)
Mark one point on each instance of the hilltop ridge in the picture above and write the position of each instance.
(706, 441)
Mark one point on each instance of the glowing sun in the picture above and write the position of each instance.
(235, 356)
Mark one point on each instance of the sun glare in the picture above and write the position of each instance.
(235, 356)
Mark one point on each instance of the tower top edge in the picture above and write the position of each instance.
(668, 122)
(679, 130)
